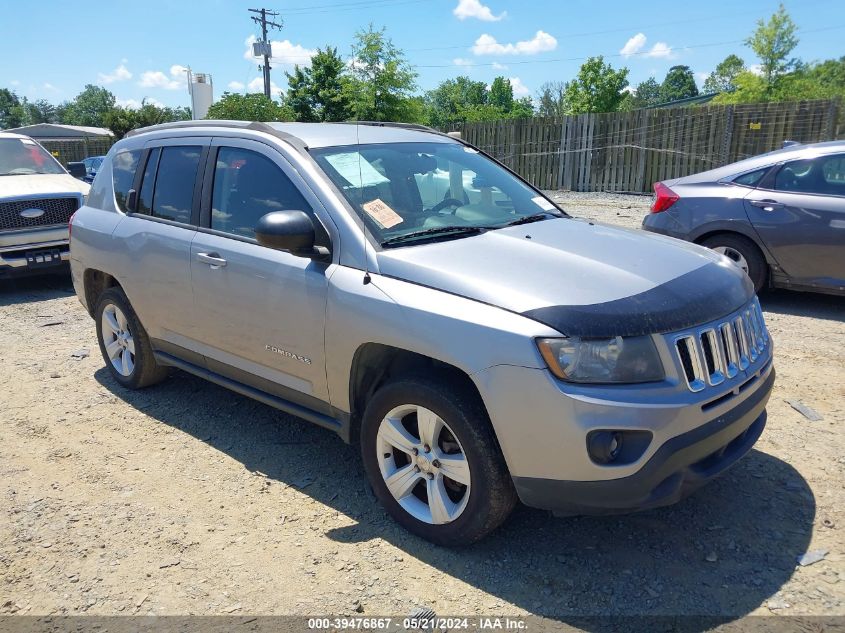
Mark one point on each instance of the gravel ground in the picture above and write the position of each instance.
(188, 499)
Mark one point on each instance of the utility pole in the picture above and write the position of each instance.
(264, 47)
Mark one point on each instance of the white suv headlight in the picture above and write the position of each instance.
(606, 360)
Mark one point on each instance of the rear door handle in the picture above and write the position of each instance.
(212, 259)
(767, 205)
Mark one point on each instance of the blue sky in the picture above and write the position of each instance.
(138, 50)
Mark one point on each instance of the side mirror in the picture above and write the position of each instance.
(77, 170)
(291, 231)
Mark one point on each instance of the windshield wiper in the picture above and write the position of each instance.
(534, 217)
(436, 231)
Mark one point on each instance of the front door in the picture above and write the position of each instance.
(800, 216)
(262, 310)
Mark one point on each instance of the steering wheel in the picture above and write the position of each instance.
(447, 202)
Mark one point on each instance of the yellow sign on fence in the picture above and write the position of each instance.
(755, 126)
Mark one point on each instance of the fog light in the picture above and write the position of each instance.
(604, 446)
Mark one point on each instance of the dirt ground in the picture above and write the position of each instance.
(188, 499)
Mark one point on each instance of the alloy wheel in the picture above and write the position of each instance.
(423, 464)
(117, 340)
(734, 255)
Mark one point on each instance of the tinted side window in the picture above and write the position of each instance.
(247, 186)
(823, 175)
(751, 179)
(145, 198)
(123, 169)
(174, 185)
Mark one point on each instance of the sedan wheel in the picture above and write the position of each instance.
(117, 340)
(734, 255)
(423, 464)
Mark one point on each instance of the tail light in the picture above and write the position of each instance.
(664, 198)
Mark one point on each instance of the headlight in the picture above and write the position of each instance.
(606, 360)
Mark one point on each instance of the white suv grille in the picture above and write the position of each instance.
(713, 354)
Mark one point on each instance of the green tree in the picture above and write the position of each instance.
(646, 94)
(723, 79)
(250, 107)
(121, 120)
(299, 97)
(550, 99)
(316, 92)
(382, 80)
(773, 42)
(598, 88)
(328, 78)
(89, 107)
(450, 101)
(522, 109)
(12, 113)
(678, 84)
(40, 111)
(501, 94)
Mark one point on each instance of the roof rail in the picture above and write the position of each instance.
(257, 126)
(407, 126)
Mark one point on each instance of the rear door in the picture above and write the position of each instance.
(799, 213)
(262, 310)
(156, 236)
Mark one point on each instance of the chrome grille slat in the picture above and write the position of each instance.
(56, 211)
(715, 353)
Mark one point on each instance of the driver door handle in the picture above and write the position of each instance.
(767, 205)
(212, 259)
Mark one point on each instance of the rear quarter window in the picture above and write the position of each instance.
(123, 169)
(752, 178)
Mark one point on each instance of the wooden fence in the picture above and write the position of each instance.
(75, 149)
(628, 151)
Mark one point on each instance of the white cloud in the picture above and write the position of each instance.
(236, 86)
(121, 73)
(661, 50)
(50, 87)
(701, 77)
(636, 46)
(756, 69)
(630, 90)
(15, 82)
(540, 43)
(474, 9)
(284, 52)
(633, 45)
(498, 66)
(132, 104)
(157, 79)
(257, 85)
(461, 61)
(519, 88)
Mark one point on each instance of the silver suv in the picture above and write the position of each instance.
(404, 290)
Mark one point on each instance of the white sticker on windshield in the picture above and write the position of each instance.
(27, 141)
(544, 204)
(382, 213)
(356, 170)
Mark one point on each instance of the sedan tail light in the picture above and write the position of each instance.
(664, 198)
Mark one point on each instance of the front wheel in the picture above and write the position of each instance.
(742, 252)
(432, 460)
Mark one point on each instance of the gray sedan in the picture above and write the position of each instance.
(779, 216)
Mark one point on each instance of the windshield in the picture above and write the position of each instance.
(405, 191)
(21, 156)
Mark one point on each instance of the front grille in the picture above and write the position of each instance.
(56, 211)
(716, 353)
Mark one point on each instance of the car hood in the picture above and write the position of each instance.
(579, 277)
(34, 185)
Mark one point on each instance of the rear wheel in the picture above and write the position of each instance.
(742, 252)
(432, 460)
(124, 342)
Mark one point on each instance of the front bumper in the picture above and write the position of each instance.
(680, 466)
(16, 245)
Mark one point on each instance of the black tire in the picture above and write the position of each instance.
(146, 371)
(491, 494)
(758, 269)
